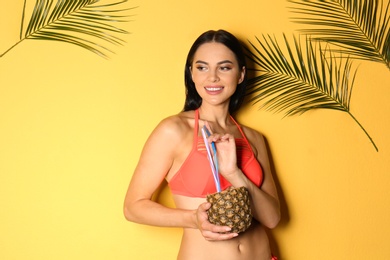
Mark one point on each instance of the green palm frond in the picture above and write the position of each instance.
(85, 23)
(360, 28)
(300, 78)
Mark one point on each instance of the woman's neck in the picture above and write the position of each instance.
(215, 115)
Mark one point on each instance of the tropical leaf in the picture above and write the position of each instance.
(85, 23)
(299, 78)
(360, 28)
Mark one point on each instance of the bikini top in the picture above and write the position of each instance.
(195, 178)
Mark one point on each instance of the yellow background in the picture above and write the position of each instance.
(72, 126)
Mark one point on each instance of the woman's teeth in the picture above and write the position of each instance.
(213, 89)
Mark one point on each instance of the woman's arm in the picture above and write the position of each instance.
(265, 201)
(154, 164)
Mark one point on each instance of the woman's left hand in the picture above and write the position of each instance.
(226, 153)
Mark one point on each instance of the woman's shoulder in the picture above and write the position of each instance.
(176, 125)
(251, 133)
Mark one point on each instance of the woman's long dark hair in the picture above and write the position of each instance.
(193, 100)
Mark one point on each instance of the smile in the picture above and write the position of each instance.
(214, 88)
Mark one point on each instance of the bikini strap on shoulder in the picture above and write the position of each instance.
(196, 127)
(241, 131)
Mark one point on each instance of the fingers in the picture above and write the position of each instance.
(210, 231)
(214, 137)
(214, 232)
(220, 137)
(212, 236)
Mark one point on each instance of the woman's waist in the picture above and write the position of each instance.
(251, 244)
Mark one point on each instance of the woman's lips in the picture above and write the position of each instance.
(213, 90)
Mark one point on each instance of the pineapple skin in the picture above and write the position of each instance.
(231, 207)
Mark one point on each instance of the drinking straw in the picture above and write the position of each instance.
(212, 159)
(215, 158)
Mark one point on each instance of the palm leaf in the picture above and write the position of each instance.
(85, 23)
(300, 78)
(360, 28)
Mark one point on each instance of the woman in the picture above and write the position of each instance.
(215, 88)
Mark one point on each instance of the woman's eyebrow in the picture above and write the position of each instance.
(219, 63)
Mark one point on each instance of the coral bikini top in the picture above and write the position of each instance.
(195, 178)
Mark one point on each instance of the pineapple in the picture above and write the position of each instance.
(231, 207)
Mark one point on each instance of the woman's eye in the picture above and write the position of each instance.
(201, 68)
(225, 68)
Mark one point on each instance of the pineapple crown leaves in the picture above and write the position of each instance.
(360, 28)
(84, 23)
(300, 77)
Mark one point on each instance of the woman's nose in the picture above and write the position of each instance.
(213, 76)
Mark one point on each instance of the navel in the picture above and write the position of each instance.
(240, 247)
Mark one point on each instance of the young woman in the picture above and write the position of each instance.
(215, 88)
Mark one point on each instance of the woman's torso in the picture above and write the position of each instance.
(252, 244)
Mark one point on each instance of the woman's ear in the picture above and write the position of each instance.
(242, 75)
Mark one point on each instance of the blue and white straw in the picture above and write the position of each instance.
(212, 159)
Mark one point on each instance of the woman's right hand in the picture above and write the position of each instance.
(208, 230)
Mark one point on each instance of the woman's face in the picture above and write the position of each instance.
(216, 73)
